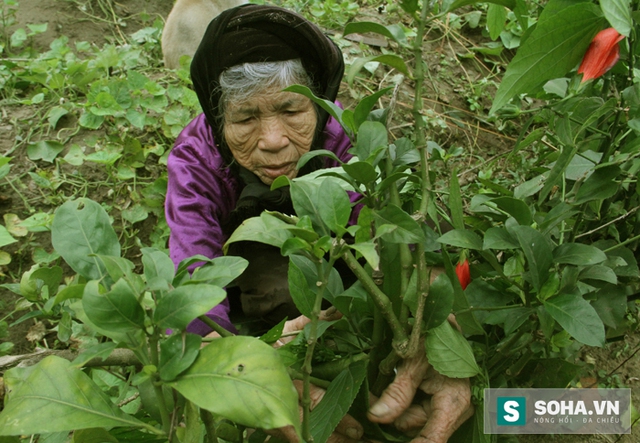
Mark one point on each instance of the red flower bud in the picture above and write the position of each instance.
(602, 54)
(464, 276)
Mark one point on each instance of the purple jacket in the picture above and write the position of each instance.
(202, 193)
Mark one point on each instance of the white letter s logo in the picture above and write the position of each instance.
(512, 414)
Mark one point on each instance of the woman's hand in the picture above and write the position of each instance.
(435, 420)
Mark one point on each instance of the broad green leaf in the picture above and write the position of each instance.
(369, 252)
(537, 251)
(311, 154)
(577, 317)
(92, 435)
(405, 228)
(516, 208)
(611, 306)
(439, 302)
(302, 295)
(132, 338)
(393, 32)
(618, 13)
(499, 238)
(462, 238)
(117, 310)
(578, 254)
(182, 305)
(248, 374)
(177, 353)
(72, 291)
(599, 272)
(363, 172)
(306, 199)
(555, 46)
(334, 285)
(449, 352)
(44, 150)
(80, 231)
(371, 136)
(116, 267)
(264, 229)
(336, 401)
(600, 185)
(365, 106)
(5, 237)
(334, 205)
(496, 20)
(157, 264)
(65, 399)
(220, 271)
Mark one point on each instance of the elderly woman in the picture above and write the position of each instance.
(250, 133)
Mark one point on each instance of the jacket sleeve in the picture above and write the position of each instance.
(199, 196)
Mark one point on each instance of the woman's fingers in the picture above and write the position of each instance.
(450, 406)
(397, 397)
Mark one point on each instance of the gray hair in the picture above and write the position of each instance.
(240, 82)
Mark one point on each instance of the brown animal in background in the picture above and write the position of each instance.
(186, 25)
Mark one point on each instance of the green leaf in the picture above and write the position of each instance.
(157, 265)
(73, 291)
(537, 251)
(264, 229)
(371, 136)
(555, 46)
(516, 208)
(449, 352)
(618, 13)
(369, 252)
(177, 353)
(462, 238)
(336, 401)
(302, 295)
(44, 150)
(599, 272)
(248, 374)
(365, 106)
(93, 435)
(393, 32)
(404, 228)
(363, 172)
(116, 267)
(80, 231)
(182, 305)
(439, 302)
(577, 317)
(496, 20)
(220, 271)
(334, 206)
(306, 199)
(499, 238)
(5, 237)
(578, 254)
(599, 186)
(65, 399)
(311, 154)
(117, 310)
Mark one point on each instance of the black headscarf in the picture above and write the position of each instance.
(260, 33)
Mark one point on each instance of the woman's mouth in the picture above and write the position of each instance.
(275, 171)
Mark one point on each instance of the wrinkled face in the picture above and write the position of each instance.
(268, 133)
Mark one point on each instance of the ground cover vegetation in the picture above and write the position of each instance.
(510, 160)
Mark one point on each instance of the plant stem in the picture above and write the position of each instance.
(157, 386)
(209, 425)
(215, 326)
(311, 344)
(619, 245)
(379, 298)
(491, 308)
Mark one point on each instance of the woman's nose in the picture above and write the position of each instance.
(273, 136)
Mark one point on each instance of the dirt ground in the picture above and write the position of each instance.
(617, 364)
